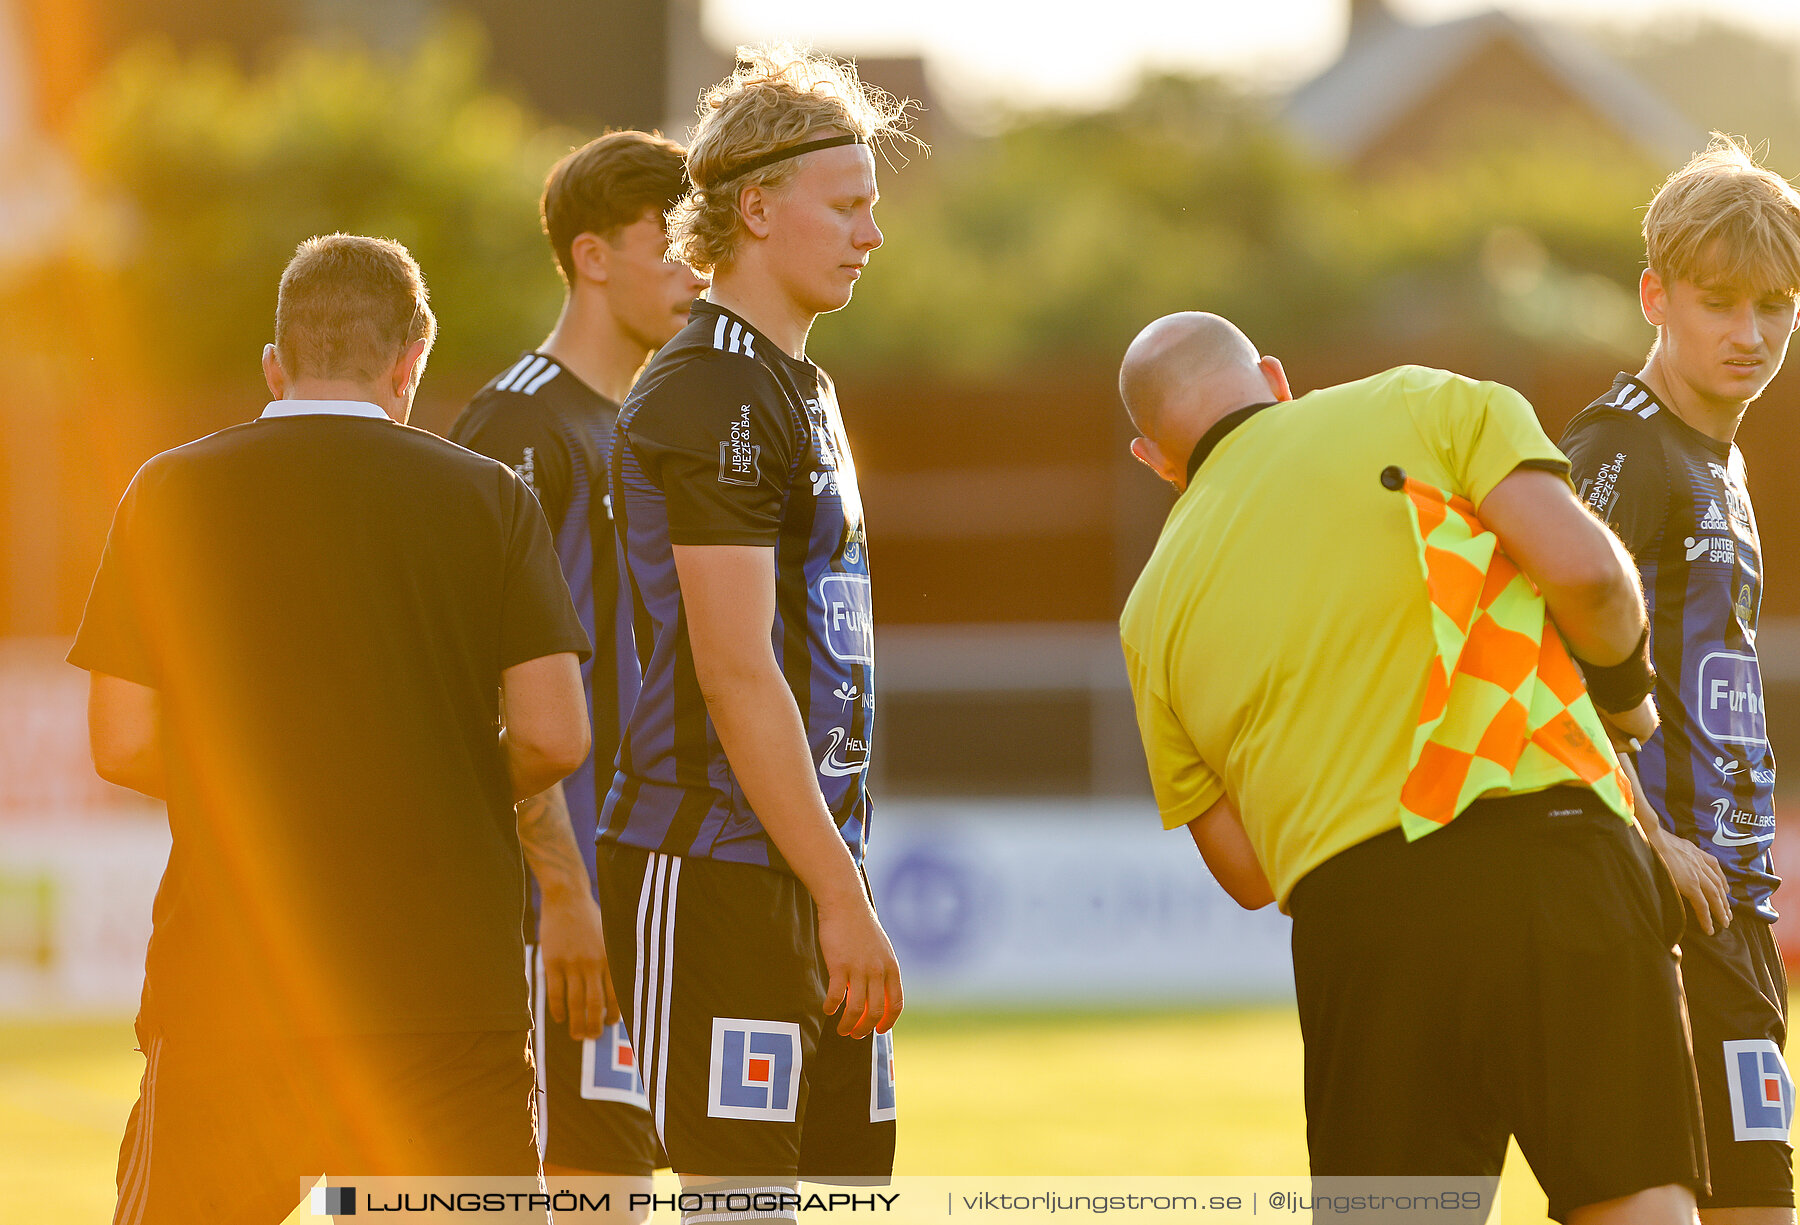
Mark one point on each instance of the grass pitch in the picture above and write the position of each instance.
(981, 1094)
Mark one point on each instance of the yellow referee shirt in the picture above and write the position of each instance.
(1279, 637)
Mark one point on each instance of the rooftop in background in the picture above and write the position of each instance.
(1402, 90)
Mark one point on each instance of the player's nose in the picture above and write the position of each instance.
(1744, 333)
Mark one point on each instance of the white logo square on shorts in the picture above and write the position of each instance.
(754, 1070)
(1762, 1092)
(881, 1079)
(609, 1071)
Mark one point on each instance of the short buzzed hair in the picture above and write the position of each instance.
(348, 306)
(606, 185)
(1724, 220)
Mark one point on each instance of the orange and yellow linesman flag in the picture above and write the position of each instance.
(1506, 710)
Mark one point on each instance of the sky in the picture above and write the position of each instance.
(987, 51)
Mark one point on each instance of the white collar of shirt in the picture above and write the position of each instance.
(323, 408)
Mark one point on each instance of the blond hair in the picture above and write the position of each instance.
(777, 96)
(348, 306)
(1722, 219)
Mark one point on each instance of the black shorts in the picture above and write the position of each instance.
(1513, 973)
(592, 1114)
(722, 983)
(1737, 1006)
(225, 1132)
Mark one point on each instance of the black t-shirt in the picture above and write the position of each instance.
(325, 604)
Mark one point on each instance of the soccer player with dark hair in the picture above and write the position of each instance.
(731, 838)
(1655, 458)
(550, 415)
(302, 635)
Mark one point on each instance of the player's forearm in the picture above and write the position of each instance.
(1602, 618)
(765, 741)
(1219, 836)
(142, 772)
(548, 839)
(534, 770)
(125, 735)
(1587, 578)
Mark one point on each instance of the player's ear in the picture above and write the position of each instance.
(589, 253)
(753, 207)
(1147, 453)
(408, 366)
(273, 374)
(1276, 378)
(1653, 298)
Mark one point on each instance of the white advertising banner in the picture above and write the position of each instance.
(989, 904)
(1064, 903)
(75, 895)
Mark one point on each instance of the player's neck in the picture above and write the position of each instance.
(1717, 419)
(765, 307)
(588, 342)
(395, 406)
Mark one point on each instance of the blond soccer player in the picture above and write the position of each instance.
(732, 838)
(1655, 457)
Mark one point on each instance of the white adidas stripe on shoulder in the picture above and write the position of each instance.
(550, 372)
(501, 383)
(528, 367)
(1635, 400)
(738, 341)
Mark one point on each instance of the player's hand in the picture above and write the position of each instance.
(1698, 878)
(577, 980)
(864, 984)
(1638, 723)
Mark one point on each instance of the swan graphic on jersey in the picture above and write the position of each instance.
(1724, 819)
(833, 766)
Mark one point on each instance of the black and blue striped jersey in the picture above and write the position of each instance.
(556, 432)
(1679, 501)
(726, 440)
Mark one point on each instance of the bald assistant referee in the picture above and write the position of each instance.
(1507, 971)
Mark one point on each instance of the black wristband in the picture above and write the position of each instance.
(1622, 686)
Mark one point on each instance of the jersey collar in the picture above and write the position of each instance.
(1220, 428)
(1631, 394)
(730, 332)
(322, 408)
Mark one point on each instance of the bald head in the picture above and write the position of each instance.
(1183, 373)
(1180, 365)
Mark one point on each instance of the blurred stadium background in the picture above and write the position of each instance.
(1457, 188)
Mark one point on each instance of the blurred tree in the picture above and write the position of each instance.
(1723, 77)
(220, 175)
(1054, 241)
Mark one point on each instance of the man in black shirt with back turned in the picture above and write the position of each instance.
(301, 634)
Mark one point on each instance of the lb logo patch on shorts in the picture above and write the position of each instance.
(1762, 1092)
(755, 1070)
(881, 1079)
(609, 1071)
